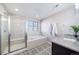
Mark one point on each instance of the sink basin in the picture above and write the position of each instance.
(72, 40)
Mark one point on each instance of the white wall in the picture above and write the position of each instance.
(17, 27)
(63, 20)
(2, 10)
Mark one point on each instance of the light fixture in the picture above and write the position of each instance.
(57, 5)
(16, 9)
(76, 6)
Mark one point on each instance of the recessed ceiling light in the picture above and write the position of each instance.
(16, 9)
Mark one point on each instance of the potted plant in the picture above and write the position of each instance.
(75, 29)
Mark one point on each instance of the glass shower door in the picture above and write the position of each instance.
(17, 34)
(4, 34)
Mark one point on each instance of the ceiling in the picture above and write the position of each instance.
(35, 10)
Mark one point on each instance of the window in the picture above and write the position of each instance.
(33, 25)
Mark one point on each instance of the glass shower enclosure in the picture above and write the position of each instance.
(4, 34)
(12, 34)
(17, 34)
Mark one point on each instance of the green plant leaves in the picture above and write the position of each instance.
(75, 28)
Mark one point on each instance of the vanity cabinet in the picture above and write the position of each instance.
(61, 50)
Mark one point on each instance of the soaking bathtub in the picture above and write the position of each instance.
(32, 41)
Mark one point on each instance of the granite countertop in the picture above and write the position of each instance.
(69, 43)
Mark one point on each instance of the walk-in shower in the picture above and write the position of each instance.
(12, 34)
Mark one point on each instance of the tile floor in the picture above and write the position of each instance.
(44, 49)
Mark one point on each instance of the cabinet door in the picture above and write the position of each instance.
(59, 50)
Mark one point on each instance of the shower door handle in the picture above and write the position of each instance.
(9, 37)
(25, 39)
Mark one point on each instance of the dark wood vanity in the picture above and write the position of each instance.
(60, 49)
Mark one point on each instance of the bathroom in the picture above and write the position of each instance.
(39, 26)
